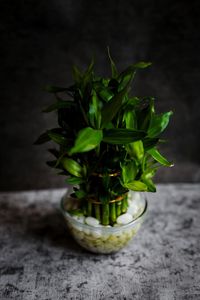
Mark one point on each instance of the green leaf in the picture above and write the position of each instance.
(80, 194)
(128, 75)
(106, 181)
(149, 173)
(149, 183)
(57, 138)
(158, 124)
(145, 115)
(87, 139)
(72, 166)
(112, 64)
(43, 138)
(103, 92)
(77, 75)
(87, 76)
(111, 108)
(122, 135)
(159, 158)
(136, 150)
(55, 89)
(136, 186)
(90, 67)
(76, 212)
(129, 171)
(149, 143)
(130, 120)
(59, 104)
(146, 178)
(132, 103)
(95, 111)
(142, 65)
(83, 112)
(74, 180)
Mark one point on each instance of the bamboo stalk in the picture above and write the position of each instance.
(112, 212)
(105, 214)
(118, 208)
(126, 200)
(97, 211)
(89, 208)
(124, 204)
(84, 209)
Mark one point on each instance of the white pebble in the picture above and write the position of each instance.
(74, 217)
(136, 196)
(133, 209)
(81, 219)
(124, 219)
(96, 234)
(87, 231)
(92, 221)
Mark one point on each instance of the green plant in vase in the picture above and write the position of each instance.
(107, 145)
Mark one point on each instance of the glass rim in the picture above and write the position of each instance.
(104, 228)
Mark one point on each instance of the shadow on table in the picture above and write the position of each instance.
(35, 222)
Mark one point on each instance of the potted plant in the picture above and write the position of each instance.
(108, 150)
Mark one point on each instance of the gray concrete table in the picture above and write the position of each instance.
(39, 259)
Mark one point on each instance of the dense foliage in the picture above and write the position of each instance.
(107, 138)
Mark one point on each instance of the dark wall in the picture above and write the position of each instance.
(42, 39)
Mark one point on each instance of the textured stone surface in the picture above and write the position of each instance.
(39, 260)
(40, 40)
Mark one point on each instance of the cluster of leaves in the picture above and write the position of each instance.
(104, 130)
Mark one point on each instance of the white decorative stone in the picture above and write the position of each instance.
(92, 221)
(133, 209)
(87, 231)
(134, 197)
(74, 217)
(97, 234)
(124, 219)
(81, 219)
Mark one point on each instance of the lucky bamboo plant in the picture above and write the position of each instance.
(107, 140)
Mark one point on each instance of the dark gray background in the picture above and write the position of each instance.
(42, 39)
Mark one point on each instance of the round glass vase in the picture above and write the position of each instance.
(103, 239)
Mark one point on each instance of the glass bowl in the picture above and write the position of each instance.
(103, 239)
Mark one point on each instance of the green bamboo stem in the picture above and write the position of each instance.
(118, 208)
(105, 214)
(97, 211)
(113, 213)
(89, 208)
(124, 204)
(126, 200)
(84, 208)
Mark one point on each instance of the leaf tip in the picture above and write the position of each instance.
(142, 65)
